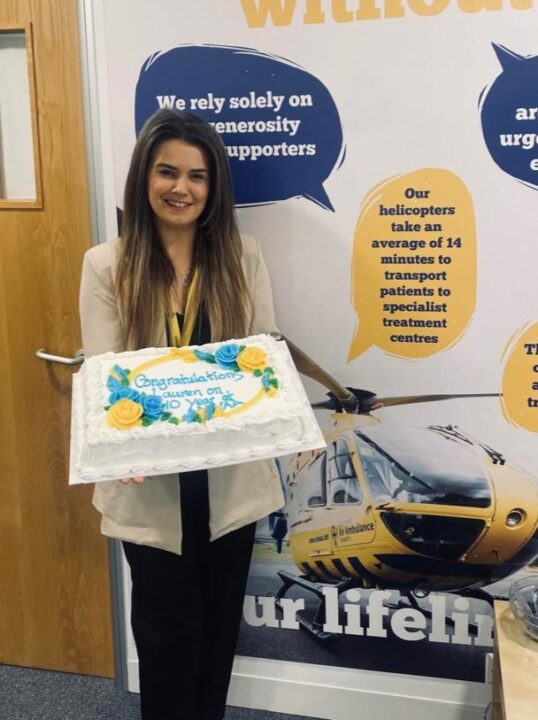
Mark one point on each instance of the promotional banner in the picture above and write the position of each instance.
(385, 155)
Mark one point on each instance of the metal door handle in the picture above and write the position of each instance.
(77, 360)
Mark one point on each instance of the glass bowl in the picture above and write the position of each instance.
(524, 604)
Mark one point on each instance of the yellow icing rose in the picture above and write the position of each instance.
(252, 358)
(124, 414)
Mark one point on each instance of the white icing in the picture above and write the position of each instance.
(274, 426)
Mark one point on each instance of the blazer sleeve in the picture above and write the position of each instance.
(99, 316)
(263, 313)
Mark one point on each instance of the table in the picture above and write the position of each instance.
(515, 668)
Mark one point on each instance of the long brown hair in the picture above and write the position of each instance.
(145, 273)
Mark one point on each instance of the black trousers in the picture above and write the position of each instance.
(186, 611)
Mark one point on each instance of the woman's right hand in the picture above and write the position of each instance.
(138, 479)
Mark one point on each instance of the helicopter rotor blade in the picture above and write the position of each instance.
(325, 404)
(412, 399)
(307, 366)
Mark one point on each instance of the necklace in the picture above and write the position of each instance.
(179, 288)
(183, 280)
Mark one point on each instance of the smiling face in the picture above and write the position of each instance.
(178, 186)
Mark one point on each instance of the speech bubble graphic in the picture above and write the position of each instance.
(520, 379)
(509, 116)
(279, 123)
(414, 265)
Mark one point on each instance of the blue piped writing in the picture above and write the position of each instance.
(143, 381)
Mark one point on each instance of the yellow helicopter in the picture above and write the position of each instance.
(415, 509)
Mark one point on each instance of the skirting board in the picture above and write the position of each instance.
(344, 694)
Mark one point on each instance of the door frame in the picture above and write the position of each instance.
(99, 160)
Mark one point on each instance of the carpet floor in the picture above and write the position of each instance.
(27, 694)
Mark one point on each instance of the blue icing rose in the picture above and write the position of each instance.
(266, 381)
(124, 392)
(113, 383)
(122, 372)
(191, 416)
(226, 356)
(209, 410)
(204, 356)
(153, 406)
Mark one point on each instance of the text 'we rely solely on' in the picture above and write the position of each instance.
(216, 103)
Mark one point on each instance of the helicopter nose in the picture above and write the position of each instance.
(444, 538)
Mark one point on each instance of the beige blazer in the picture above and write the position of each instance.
(150, 513)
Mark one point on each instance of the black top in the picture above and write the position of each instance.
(201, 332)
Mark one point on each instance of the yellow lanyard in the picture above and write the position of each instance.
(177, 337)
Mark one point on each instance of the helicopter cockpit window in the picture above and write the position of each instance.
(312, 483)
(343, 485)
(417, 465)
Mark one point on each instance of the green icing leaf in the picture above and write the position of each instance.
(125, 381)
(257, 373)
(107, 407)
(166, 415)
(147, 421)
(269, 371)
(173, 420)
(241, 348)
(273, 382)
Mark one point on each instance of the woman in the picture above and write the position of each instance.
(181, 274)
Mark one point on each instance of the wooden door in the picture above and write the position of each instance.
(54, 584)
